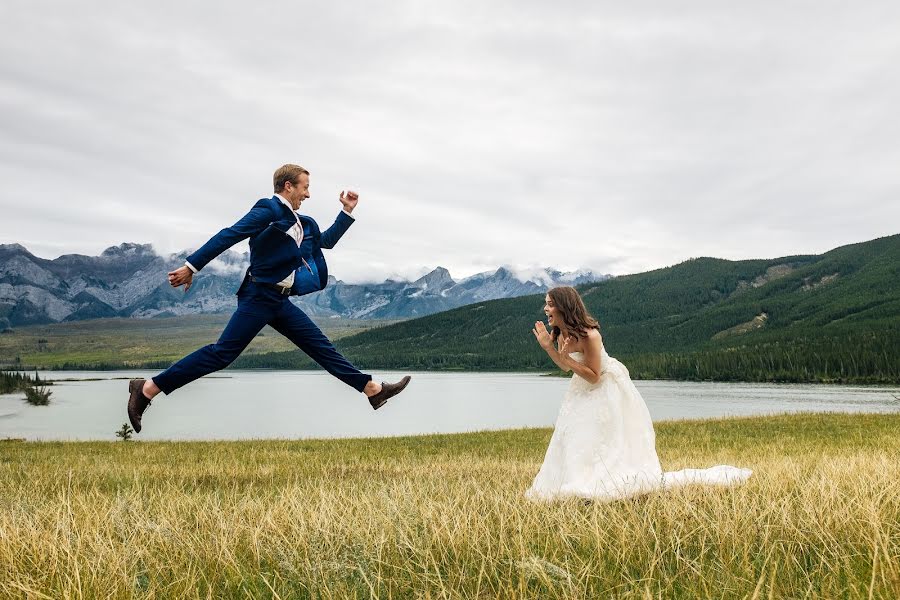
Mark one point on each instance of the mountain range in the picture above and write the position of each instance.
(129, 280)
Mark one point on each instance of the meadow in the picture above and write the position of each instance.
(120, 343)
(444, 517)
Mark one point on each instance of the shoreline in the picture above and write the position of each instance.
(539, 373)
(452, 437)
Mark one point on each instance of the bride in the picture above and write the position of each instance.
(603, 446)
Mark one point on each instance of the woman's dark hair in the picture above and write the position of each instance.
(574, 314)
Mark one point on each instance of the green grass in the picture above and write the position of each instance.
(444, 517)
(121, 343)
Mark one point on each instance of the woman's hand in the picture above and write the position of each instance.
(543, 336)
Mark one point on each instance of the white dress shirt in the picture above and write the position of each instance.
(297, 233)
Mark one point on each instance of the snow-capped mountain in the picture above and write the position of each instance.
(130, 281)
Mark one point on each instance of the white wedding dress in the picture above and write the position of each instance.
(604, 446)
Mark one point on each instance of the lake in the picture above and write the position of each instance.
(310, 404)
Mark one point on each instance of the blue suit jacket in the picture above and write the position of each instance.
(273, 251)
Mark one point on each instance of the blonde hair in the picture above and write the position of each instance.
(285, 174)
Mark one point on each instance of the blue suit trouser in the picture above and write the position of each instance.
(259, 306)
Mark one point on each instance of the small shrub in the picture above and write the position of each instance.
(37, 395)
(125, 432)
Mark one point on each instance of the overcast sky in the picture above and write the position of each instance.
(614, 136)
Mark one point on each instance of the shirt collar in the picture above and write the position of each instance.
(285, 202)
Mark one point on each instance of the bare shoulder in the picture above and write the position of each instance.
(593, 340)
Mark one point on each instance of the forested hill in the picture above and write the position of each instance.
(832, 317)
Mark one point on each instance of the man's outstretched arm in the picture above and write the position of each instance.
(253, 222)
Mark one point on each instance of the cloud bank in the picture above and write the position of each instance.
(596, 135)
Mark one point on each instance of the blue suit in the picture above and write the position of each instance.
(274, 253)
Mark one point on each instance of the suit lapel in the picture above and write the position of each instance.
(285, 209)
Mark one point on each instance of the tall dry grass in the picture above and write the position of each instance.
(444, 517)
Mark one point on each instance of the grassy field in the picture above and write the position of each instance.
(444, 517)
(138, 341)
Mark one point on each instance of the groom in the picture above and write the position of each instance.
(285, 260)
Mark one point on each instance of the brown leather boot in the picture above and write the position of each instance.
(388, 390)
(137, 403)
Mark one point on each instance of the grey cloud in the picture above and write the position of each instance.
(606, 135)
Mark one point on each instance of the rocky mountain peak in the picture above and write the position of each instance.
(10, 251)
(128, 249)
(437, 278)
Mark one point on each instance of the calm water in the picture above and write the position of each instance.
(292, 404)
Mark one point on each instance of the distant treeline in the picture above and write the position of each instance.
(14, 381)
(872, 357)
(101, 366)
(801, 357)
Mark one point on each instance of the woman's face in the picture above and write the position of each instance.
(553, 317)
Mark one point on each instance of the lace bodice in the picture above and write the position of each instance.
(609, 367)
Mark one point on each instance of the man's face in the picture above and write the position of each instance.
(296, 193)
